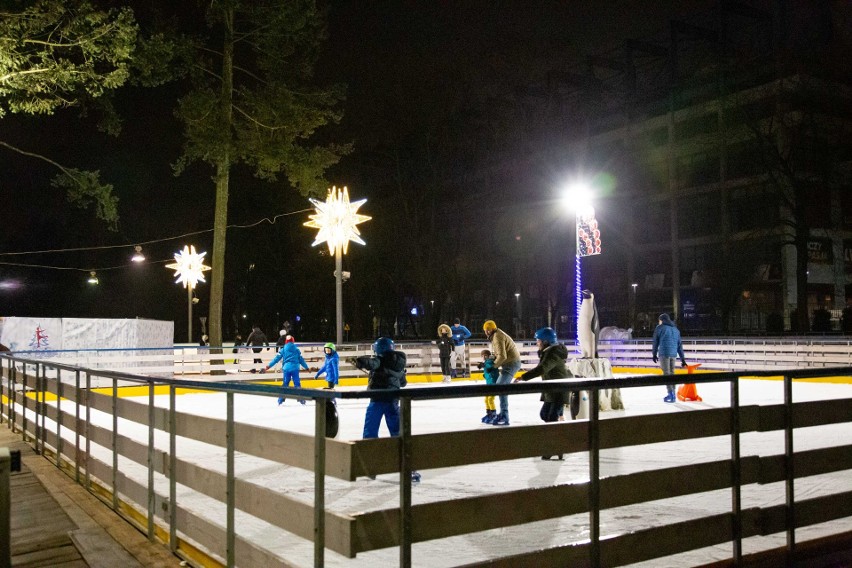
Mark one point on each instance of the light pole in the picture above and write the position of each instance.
(337, 219)
(578, 198)
(633, 305)
(189, 268)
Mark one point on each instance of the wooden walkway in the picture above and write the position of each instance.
(56, 522)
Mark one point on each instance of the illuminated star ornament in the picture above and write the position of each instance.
(189, 267)
(337, 219)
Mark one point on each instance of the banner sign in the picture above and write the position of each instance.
(819, 251)
(588, 234)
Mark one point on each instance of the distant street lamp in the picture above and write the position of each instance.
(337, 219)
(189, 268)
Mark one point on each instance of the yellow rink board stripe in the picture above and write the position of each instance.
(138, 391)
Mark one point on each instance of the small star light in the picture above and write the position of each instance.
(336, 219)
(189, 267)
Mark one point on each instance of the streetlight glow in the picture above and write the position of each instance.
(577, 197)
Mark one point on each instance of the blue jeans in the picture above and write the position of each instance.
(667, 364)
(373, 419)
(507, 373)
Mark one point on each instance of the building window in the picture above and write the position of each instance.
(653, 224)
(753, 208)
(698, 169)
(699, 215)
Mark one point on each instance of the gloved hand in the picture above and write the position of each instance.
(351, 360)
(654, 358)
(683, 363)
(480, 365)
(263, 370)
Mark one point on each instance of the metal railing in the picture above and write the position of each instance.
(27, 384)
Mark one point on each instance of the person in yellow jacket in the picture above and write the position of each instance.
(507, 359)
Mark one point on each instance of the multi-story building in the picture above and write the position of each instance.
(731, 146)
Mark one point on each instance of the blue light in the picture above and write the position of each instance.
(298, 318)
(414, 311)
(578, 295)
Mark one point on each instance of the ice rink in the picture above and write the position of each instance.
(443, 484)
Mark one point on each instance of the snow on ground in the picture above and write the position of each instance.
(450, 483)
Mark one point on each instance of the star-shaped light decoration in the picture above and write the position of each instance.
(189, 267)
(337, 220)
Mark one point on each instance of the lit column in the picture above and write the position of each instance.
(337, 218)
(189, 268)
(578, 198)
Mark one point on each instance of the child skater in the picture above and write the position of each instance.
(331, 367)
(387, 372)
(490, 372)
(445, 349)
(292, 359)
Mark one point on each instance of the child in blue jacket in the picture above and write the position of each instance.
(331, 367)
(490, 372)
(292, 359)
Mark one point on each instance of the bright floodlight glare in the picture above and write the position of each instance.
(577, 196)
(189, 267)
(93, 278)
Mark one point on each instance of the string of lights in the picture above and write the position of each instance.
(270, 220)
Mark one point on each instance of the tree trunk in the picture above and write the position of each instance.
(223, 171)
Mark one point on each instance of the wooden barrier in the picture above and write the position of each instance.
(138, 486)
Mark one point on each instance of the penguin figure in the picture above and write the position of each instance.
(588, 326)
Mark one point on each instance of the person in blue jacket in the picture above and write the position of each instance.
(667, 346)
(291, 357)
(331, 367)
(460, 334)
(386, 371)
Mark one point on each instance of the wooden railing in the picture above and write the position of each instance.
(57, 418)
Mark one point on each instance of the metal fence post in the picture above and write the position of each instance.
(58, 418)
(151, 493)
(77, 397)
(319, 481)
(736, 472)
(789, 472)
(594, 480)
(172, 472)
(88, 478)
(114, 444)
(405, 483)
(229, 480)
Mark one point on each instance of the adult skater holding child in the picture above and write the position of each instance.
(331, 366)
(507, 359)
(292, 358)
(386, 371)
(552, 358)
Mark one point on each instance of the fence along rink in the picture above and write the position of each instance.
(350, 533)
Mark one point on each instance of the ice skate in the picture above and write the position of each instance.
(302, 402)
(489, 416)
(280, 401)
(669, 397)
(447, 379)
(501, 420)
(415, 477)
(553, 458)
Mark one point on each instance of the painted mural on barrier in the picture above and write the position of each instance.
(31, 334)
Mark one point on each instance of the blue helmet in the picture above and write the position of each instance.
(547, 335)
(383, 345)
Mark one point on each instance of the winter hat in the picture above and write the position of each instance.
(665, 318)
(290, 339)
(444, 328)
(282, 333)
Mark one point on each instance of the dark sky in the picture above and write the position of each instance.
(400, 61)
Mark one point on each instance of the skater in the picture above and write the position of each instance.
(255, 338)
(552, 358)
(387, 372)
(490, 374)
(282, 340)
(460, 333)
(291, 357)
(507, 359)
(331, 366)
(668, 346)
(445, 350)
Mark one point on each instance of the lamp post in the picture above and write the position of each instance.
(633, 305)
(336, 219)
(189, 268)
(578, 197)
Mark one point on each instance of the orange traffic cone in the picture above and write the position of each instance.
(688, 392)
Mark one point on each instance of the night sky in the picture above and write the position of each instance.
(425, 81)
